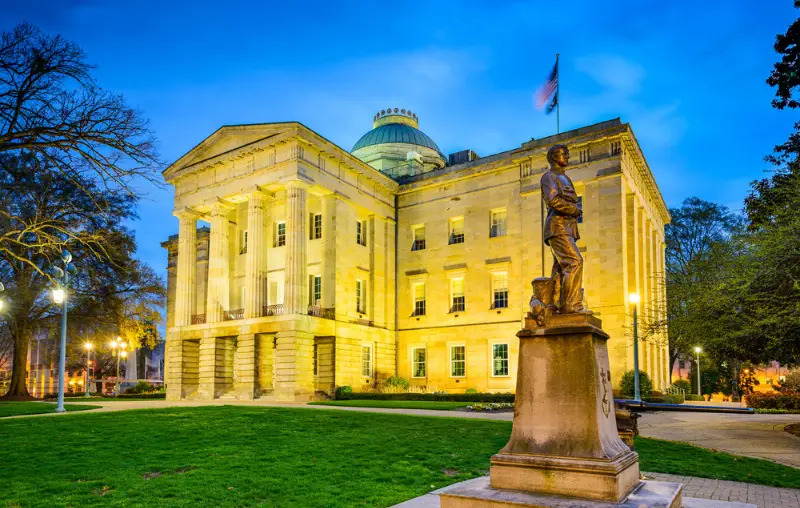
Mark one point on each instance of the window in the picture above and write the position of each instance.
(499, 290)
(366, 361)
(499, 219)
(458, 361)
(315, 289)
(419, 362)
(419, 238)
(280, 234)
(580, 207)
(499, 359)
(316, 359)
(616, 148)
(584, 155)
(315, 226)
(419, 299)
(361, 293)
(457, 295)
(243, 242)
(456, 230)
(361, 232)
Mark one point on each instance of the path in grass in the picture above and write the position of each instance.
(12, 408)
(396, 404)
(242, 456)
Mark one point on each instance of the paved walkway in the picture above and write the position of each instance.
(721, 490)
(757, 435)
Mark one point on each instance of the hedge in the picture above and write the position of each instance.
(666, 398)
(154, 395)
(774, 400)
(452, 397)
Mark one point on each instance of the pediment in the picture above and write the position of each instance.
(227, 139)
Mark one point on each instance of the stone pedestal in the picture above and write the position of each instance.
(564, 448)
(564, 440)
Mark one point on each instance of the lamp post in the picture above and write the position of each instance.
(118, 343)
(2, 288)
(60, 297)
(634, 300)
(698, 350)
(88, 347)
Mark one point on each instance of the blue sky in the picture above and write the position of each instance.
(688, 76)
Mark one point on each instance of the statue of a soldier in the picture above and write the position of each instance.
(561, 231)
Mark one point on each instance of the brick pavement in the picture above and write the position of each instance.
(722, 490)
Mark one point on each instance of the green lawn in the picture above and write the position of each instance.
(35, 408)
(251, 456)
(396, 404)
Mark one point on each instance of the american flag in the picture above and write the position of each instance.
(547, 90)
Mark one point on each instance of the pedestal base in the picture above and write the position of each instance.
(477, 493)
(602, 480)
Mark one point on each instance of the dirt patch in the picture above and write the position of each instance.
(793, 429)
(150, 476)
(450, 472)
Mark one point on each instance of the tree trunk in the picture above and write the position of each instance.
(18, 390)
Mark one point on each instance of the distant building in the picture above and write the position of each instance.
(323, 267)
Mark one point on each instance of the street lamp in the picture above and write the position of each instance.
(88, 348)
(60, 298)
(634, 299)
(123, 353)
(698, 350)
(1, 290)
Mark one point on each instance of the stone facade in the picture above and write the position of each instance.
(318, 270)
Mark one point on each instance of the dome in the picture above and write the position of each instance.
(396, 133)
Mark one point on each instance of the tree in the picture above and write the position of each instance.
(53, 110)
(111, 291)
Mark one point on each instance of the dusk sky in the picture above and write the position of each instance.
(688, 76)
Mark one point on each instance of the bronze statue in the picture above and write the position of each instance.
(561, 231)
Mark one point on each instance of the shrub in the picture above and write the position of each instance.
(772, 400)
(792, 382)
(683, 384)
(471, 390)
(439, 396)
(490, 406)
(626, 386)
(141, 387)
(151, 395)
(695, 397)
(666, 398)
(342, 392)
(397, 382)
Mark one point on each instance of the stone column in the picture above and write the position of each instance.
(218, 264)
(207, 369)
(329, 251)
(245, 368)
(294, 366)
(255, 292)
(296, 257)
(187, 267)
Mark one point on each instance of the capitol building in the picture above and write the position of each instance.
(300, 266)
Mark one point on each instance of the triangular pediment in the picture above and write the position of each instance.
(227, 139)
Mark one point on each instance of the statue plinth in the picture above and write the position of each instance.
(564, 447)
(564, 440)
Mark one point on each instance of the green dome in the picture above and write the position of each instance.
(396, 133)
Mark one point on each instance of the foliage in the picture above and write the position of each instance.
(151, 395)
(774, 400)
(627, 384)
(456, 397)
(141, 387)
(666, 398)
(694, 397)
(778, 411)
(343, 391)
(395, 404)
(683, 384)
(791, 383)
(470, 390)
(398, 382)
(491, 406)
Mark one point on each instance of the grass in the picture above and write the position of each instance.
(396, 404)
(35, 408)
(251, 456)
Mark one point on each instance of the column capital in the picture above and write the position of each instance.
(259, 191)
(221, 204)
(297, 184)
(186, 213)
